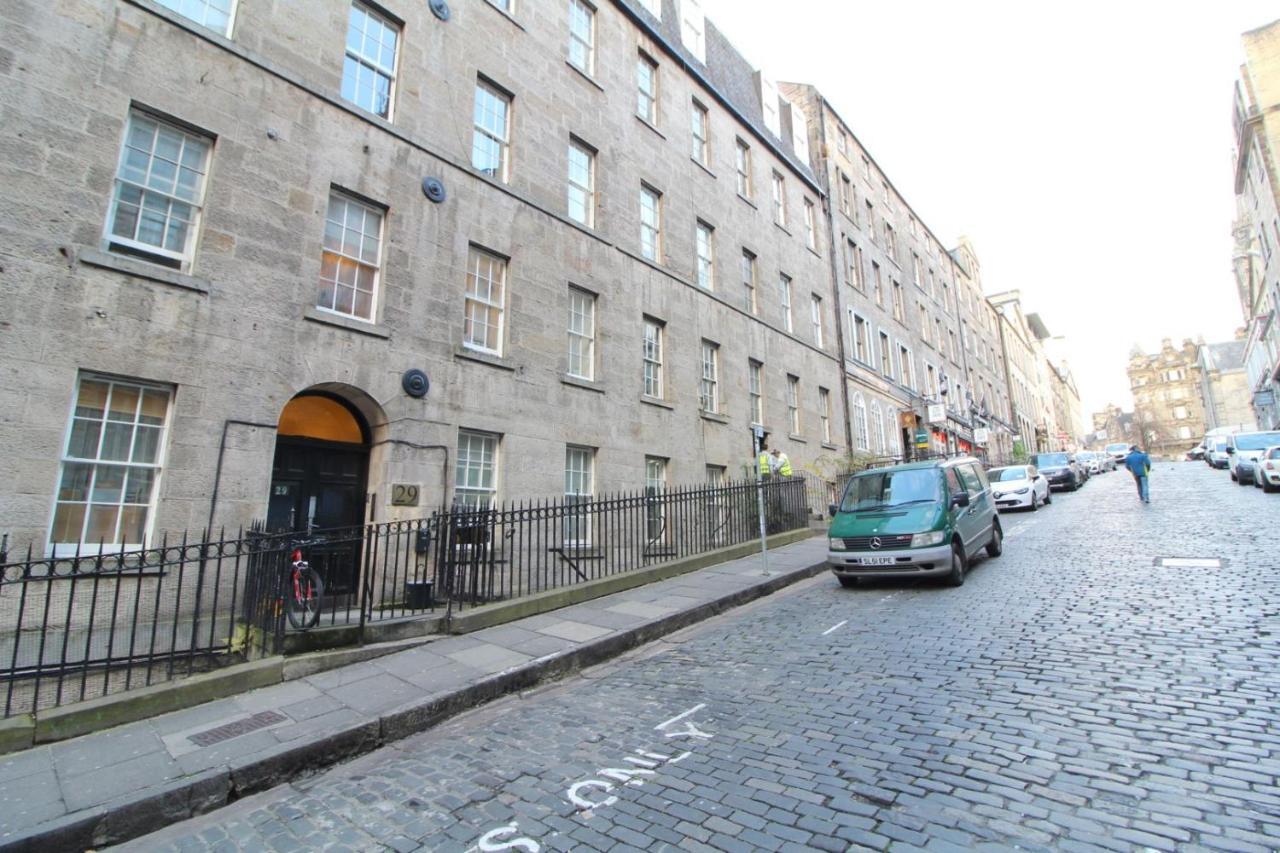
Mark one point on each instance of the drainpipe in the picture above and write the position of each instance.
(835, 271)
(217, 472)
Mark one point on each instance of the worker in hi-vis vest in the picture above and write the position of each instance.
(779, 463)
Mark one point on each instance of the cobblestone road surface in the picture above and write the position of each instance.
(1072, 695)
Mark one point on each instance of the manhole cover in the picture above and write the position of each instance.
(1189, 562)
(227, 731)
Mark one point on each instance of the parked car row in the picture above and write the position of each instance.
(1252, 458)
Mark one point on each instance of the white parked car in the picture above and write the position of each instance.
(1019, 487)
(1244, 450)
(1215, 454)
(1267, 472)
(1117, 451)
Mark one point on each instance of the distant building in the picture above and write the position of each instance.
(1257, 225)
(1168, 409)
(1110, 426)
(1224, 386)
(1025, 372)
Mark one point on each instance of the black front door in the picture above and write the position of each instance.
(319, 486)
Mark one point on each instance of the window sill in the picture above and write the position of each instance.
(484, 358)
(655, 401)
(781, 227)
(748, 201)
(373, 330)
(702, 166)
(579, 382)
(650, 125)
(715, 417)
(826, 445)
(142, 269)
(813, 251)
(797, 438)
(584, 75)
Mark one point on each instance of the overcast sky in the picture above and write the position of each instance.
(1085, 148)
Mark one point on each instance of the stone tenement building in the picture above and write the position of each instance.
(356, 263)
(232, 231)
(1112, 425)
(1168, 412)
(905, 307)
(1256, 262)
(1224, 386)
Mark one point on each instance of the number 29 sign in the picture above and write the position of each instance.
(404, 494)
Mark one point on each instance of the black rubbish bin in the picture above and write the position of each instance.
(417, 595)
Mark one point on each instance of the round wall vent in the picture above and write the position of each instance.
(433, 189)
(415, 383)
(441, 9)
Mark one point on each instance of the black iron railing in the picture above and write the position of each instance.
(75, 627)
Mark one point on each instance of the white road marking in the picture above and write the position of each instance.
(834, 627)
(678, 717)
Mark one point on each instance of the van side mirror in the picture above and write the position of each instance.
(1230, 450)
(960, 499)
(831, 510)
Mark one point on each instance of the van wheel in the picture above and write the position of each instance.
(847, 583)
(1048, 497)
(996, 546)
(1035, 501)
(956, 577)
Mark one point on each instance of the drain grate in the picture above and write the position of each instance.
(1190, 562)
(218, 734)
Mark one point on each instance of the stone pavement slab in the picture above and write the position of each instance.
(116, 784)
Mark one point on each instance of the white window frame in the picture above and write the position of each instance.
(755, 391)
(582, 187)
(483, 135)
(853, 271)
(705, 242)
(749, 281)
(650, 223)
(793, 404)
(655, 488)
(654, 381)
(579, 492)
(810, 226)
(881, 445)
(336, 239)
(824, 413)
(475, 481)
(154, 183)
(815, 320)
(476, 299)
(582, 45)
(861, 435)
(909, 379)
(178, 7)
(693, 29)
(582, 334)
(784, 294)
(709, 384)
(371, 64)
(647, 88)
(700, 121)
(861, 341)
(742, 164)
(779, 189)
(105, 425)
(883, 339)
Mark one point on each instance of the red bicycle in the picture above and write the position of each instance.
(303, 592)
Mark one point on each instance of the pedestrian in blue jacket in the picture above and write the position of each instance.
(1139, 465)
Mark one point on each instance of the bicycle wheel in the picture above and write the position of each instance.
(302, 598)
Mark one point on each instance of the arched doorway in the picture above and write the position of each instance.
(318, 481)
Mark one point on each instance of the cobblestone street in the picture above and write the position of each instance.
(1073, 694)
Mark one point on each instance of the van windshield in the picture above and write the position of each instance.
(884, 489)
(1116, 448)
(1256, 440)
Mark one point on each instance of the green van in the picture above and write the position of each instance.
(919, 519)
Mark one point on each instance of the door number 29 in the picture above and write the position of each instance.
(404, 494)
